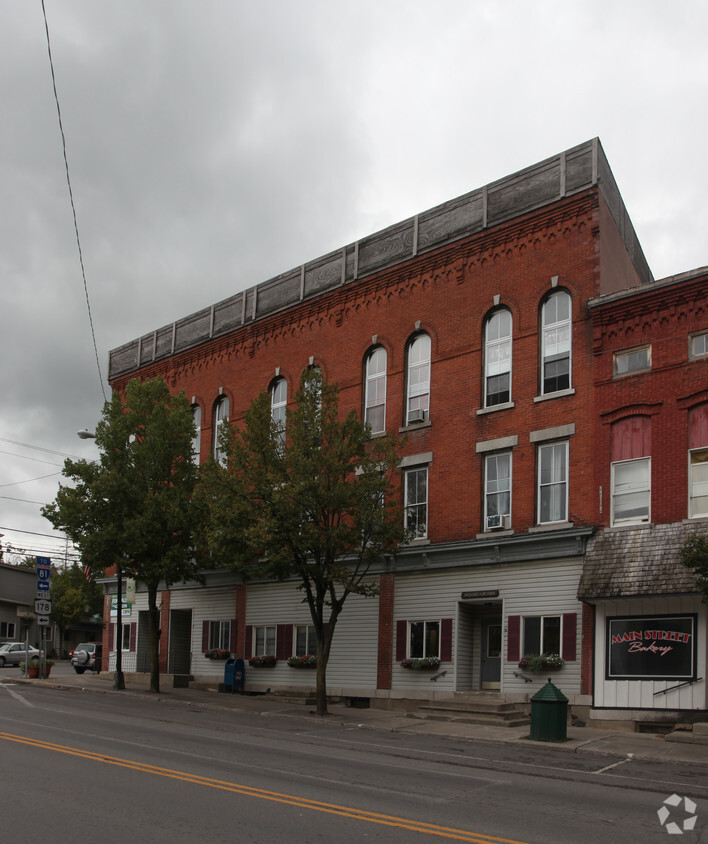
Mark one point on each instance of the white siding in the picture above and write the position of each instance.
(640, 694)
(216, 604)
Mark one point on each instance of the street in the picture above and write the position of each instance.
(84, 765)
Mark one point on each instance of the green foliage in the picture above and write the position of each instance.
(694, 555)
(319, 508)
(73, 597)
(133, 507)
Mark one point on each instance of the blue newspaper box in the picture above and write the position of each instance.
(234, 675)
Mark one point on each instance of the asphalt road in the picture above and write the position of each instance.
(85, 767)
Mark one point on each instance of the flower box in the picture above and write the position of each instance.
(217, 653)
(536, 663)
(427, 663)
(307, 661)
(262, 661)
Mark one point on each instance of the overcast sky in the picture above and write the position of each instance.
(213, 144)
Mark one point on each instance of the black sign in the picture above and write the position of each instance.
(661, 647)
(481, 593)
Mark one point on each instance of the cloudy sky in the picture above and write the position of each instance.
(215, 144)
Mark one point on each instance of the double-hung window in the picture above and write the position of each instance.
(219, 635)
(264, 640)
(415, 495)
(305, 639)
(418, 383)
(553, 483)
(631, 470)
(556, 343)
(542, 634)
(375, 395)
(197, 438)
(423, 639)
(221, 417)
(497, 359)
(698, 461)
(497, 491)
(278, 406)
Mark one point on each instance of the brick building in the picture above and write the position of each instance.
(468, 328)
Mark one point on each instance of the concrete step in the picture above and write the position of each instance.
(474, 710)
(700, 729)
(481, 719)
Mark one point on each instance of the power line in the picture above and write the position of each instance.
(71, 198)
(38, 448)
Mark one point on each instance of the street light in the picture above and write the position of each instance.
(118, 677)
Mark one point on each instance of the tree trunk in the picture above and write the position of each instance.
(154, 614)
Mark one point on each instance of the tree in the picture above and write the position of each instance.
(318, 506)
(694, 555)
(73, 598)
(133, 508)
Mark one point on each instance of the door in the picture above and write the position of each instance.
(179, 654)
(491, 654)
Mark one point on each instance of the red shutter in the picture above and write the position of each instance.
(446, 639)
(112, 637)
(513, 638)
(284, 641)
(698, 426)
(133, 635)
(205, 636)
(401, 644)
(570, 625)
(248, 644)
(233, 635)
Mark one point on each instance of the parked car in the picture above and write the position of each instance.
(13, 653)
(87, 657)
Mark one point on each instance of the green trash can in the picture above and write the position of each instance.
(549, 714)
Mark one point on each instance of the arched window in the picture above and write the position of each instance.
(497, 359)
(197, 439)
(278, 405)
(375, 390)
(418, 380)
(555, 343)
(221, 417)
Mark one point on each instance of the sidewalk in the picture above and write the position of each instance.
(677, 747)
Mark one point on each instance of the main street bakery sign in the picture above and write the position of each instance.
(644, 647)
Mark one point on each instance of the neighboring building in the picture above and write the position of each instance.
(18, 587)
(467, 328)
(648, 650)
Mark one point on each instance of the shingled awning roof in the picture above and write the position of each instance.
(636, 562)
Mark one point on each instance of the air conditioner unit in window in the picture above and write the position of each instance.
(498, 522)
(416, 416)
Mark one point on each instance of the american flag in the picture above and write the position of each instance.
(87, 573)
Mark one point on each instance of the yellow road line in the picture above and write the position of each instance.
(250, 791)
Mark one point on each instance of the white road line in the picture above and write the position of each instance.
(16, 695)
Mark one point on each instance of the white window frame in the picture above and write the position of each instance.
(125, 633)
(557, 481)
(264, 640)
(631, 361)
(698, 345)
(697, 486)
(197, 438)
(428, 628)
(634, 490)
(375, 389)
(278, 408)
(418, 379)
(526, 648)
(221, 417)
(9, 628)
(496, 488)
(556, 334)
(219, 635)
(304, 639)
(415, 508)
(497, 354)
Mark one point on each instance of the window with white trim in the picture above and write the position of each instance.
(541, 634)
(631, 491)
(552, 483)
(423, 639)
(556, 343)
(632, 361)
(415, 495)
(698, 483)
(278, 408)
(497, 359)
(263, 639)
(7, 629)
(197, 438)
(221, 417)
(219, 635)
(305, 639)
(497, 490)
(418, 380)
(699, 345)
(375, 390)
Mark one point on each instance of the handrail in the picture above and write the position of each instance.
(523, 677)
(679, 686)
